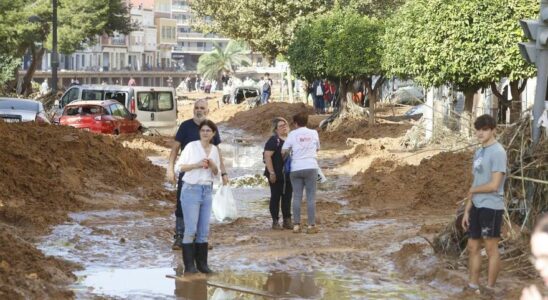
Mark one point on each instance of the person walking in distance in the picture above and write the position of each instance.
(200, 161)
(485, 205)
(303, 144)
(266, 89)
(188, 132)
(278, 179)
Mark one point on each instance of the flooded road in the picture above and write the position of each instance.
(127, 254)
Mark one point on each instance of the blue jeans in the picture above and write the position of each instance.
(264, 97)
(304, 180)
(196, 201)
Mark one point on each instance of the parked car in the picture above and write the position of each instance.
(155, 107)
(13, 110)
(249, 94)
(107, 116)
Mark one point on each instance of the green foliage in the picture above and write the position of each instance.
(266, 26)
(7, 66)
(339, 44)
(79, 22)
(467, 44)
(372, 8)
(211, 65)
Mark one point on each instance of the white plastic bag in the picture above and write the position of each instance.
(224, 205)
(321, 178)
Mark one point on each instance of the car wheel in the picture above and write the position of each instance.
(116, 132)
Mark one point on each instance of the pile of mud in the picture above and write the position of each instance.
(258, 120)
(437, 183)
(46, 172)
(352, 128)
(46, 168)
(26, 273)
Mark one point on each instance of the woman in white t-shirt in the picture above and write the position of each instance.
(303, 143)
(200, 161)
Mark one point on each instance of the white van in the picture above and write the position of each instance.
(155, 107)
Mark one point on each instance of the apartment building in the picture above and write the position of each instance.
(165, 40)
(191, 44)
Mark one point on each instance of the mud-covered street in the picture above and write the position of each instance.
(91, 216)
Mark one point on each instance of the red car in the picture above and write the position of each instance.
(108, 116)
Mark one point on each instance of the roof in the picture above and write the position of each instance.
(91, 102)
(19, 99)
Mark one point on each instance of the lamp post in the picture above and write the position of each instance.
(54, 56)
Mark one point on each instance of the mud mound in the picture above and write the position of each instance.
(359, 129)
(26, 268)
(258, 120)
(46, 172)
(45, 168)
(439, 182)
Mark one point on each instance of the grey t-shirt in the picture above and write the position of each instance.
(486, 161)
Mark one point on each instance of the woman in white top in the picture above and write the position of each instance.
(303, 143)
(200, 161)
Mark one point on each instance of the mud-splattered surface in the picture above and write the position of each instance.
(115, 222)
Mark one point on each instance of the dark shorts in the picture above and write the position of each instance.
(485, 223)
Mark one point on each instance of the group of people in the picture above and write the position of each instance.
(323, 94)
(292, 167)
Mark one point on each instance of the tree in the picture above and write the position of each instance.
(266, 26)
(80, 23)
(465, 44)
(212, 64)
(341, 46)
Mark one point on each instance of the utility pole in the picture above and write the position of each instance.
(54, 56)
(536, 52)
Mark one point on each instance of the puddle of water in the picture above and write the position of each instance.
(117, 266)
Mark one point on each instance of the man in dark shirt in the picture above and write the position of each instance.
(188, 132)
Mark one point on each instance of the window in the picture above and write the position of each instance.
(164, 101)
(118, 96)
(91, 110)
(116, 111)
(70, 96)
(155, 101)
(72, 111)
(92, 95)
(200, 44)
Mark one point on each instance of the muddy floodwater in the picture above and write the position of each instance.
(127, 254)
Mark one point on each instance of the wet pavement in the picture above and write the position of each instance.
(125, 254)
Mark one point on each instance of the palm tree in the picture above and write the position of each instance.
(212, 64)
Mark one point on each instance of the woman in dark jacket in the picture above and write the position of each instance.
(278, 179)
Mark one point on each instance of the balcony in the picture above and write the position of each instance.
(137, 47)
(120, 41)
(181, 8)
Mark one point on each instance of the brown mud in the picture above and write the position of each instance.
(376, 215)
(46, 172)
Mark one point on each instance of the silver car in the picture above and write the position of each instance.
(13, 110)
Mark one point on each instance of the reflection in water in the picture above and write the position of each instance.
(195, 289)
(292, 284)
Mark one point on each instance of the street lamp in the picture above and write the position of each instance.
(54, 56)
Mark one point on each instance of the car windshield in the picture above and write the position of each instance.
(18, 104)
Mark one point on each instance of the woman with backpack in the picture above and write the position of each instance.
(277, 175)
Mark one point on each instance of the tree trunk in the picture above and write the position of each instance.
(373, 92)
(27, 79)
(515, 91)
(469, 100)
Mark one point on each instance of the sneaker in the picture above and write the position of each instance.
(276, 226)
(296, 228)
(311, 229)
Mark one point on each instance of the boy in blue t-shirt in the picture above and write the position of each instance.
(485, 204)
